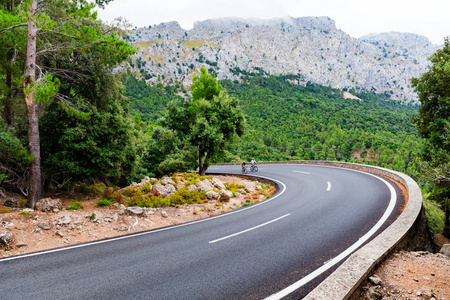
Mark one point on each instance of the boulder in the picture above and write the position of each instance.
(48, 204)
(211, 195)
(204, 185)
(167, 180)
(192, 187)
(373, 294)
(6, 239)
(135, 211)
(164, 214)
(164, 190)
(218, 184)
(445, 250)
(225, 196)
(375, 279)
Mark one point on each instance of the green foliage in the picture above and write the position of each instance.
(288, 121)
(104, 202)
(75, 205)
(434, 213)
(433, 126)
(25, 213)
(95, 190)
(204, 86)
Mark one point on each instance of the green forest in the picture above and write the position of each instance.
(294, 122)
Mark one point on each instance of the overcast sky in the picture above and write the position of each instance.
(430, 18)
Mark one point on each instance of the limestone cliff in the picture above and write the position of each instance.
(312, 47)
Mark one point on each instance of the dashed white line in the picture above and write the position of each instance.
(329, 186)
(247, 230)
(301, 172)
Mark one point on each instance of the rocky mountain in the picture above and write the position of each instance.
(311, 48)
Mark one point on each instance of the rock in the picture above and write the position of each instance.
(445, 250)
(6, 239)
(204, 185)
(48, 204)
(258, 187)
(44, 226)
(122, 228)
(21, 244)
(65, 221)
(225, 196)
(11, 202)
(211, 195)
(121, 209)
(373, 294)
(135, 211)
(167, 180)
(59, 233)
(218, 184)
(164, 214)
(375, 279)
(27, 210)
(242, 191)
(192, 187)
(163, 190)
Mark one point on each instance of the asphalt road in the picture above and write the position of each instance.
(280, 244)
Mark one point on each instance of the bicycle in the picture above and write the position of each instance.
(244, 170)
(254, 168)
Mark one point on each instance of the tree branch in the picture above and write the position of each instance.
(12, 27)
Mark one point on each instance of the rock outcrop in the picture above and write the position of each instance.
(312, 48)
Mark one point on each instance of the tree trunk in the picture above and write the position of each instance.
(446, 232)
(201, 171)
(34, 187)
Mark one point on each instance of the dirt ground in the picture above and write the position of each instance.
(413, 275)
(403, 275)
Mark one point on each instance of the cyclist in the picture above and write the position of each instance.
(243, 165)
(253, 162)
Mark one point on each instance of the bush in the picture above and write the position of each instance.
(76, 205)
(435, 214)
(104, 202)
(25, 213)
(95, 190)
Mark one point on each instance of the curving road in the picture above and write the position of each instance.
(281, 247)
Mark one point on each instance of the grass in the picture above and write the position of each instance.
(76, 205)
(104, 202)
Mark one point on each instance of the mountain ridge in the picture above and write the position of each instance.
(310, 47)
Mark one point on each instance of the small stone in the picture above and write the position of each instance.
(21, 244)
(375, 279)
(373, 293)
(44, 226)
(59, 233)
(164, 214)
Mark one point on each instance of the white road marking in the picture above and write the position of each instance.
(282, 190)
(247, 230)
(329, 186)
(345, 253)
(301, 172)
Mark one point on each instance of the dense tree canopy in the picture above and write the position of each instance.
(433, 124)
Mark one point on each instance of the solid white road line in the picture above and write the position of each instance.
(348, 251)
(329, 186)
(247, 230)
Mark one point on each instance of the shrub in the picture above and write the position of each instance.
(233, 185)
(76, 205)
(22, 203)
(95, 190)
(435, 214)
(25, 213)
(104, 202)
(146, 188)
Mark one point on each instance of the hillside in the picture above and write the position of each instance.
(311, 47)
(288, 121)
